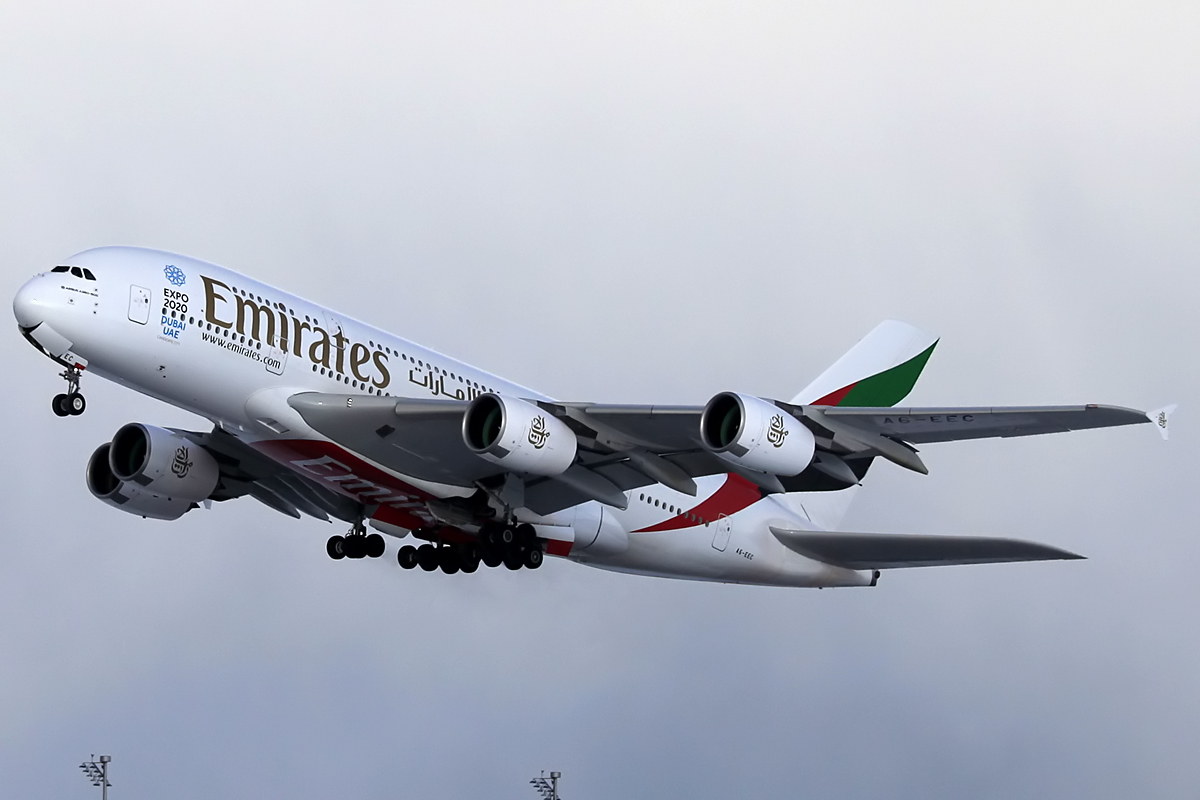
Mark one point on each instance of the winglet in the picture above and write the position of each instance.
(1160, 417)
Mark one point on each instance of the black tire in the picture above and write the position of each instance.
(375, 545)
(507, 536)
(407, 556)
(75, 404)
(468, 557)
(334, 547)
(492, 557)
(448, 560)
(427, 557)
(514, 561)
(489, 533)
(526, 536)
(355, 547)
(534, 557)
(59, 404)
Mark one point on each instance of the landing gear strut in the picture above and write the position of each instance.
(72, 403)
(357, 543)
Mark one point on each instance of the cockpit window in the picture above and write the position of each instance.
(78, 272)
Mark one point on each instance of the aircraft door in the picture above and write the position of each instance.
(275, 358)
(721, 537)
(334, 326)
(139, 305)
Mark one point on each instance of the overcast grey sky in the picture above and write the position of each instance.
(625, 202)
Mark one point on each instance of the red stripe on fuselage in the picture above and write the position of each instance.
(556, 548)
(734, 494)
(345, 473)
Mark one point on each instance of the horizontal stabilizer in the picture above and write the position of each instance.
(891, 551)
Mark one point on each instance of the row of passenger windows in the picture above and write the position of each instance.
(673, 509)
(385, 348)
(78, 272)
(323, 371)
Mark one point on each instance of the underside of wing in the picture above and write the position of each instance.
(420, 438)
(244, 471)
(892, 551)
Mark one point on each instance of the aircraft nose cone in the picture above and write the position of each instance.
(29, 304)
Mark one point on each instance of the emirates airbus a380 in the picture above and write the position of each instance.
(317, 414)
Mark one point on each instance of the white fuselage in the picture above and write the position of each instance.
(232, 349)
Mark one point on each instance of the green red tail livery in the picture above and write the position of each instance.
(878, 371)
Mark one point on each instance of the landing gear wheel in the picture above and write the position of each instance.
(533, 557)
(468, 558)
(355, 546)
(427, 557)
(513, 561)
(334, 547)
(525, 535)
(59, 404)
(75, 404)
(493, 557)
(448, 560)
(407, 556)
(490, 533)
(374, 545)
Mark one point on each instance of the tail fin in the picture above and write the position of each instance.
(878, 371)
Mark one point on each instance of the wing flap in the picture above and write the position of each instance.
(892, 551)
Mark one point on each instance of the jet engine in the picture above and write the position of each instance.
(163, 462)
(518, 435)
(130, 497)
(756, 434)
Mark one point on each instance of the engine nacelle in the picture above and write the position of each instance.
(756, 434)
(518, 436)
(163, 462)
(130, 497)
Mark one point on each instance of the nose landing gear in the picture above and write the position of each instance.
(72, 403)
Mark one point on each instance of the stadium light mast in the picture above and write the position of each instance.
(547, 789)
(97, 772)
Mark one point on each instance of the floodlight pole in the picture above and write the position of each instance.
(554, 776)
(104, 776)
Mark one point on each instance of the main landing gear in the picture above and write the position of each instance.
(513, 546)
(357, 543)
(72, 403)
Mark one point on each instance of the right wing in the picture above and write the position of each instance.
(892, 551)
